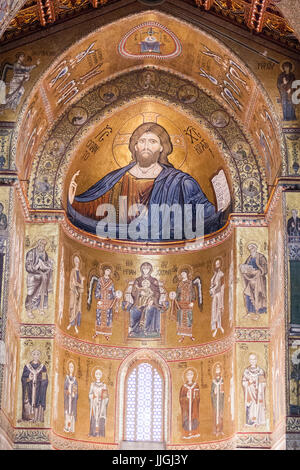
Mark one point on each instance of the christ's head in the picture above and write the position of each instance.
(150, 143)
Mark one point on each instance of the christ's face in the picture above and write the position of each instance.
(148, 149)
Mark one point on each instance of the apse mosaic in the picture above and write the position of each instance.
(153, 115)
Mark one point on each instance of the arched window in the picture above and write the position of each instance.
(144, 404)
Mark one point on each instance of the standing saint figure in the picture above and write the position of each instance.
(76, 291)
(216, 291)
(285, 86)
(145, 301)
(293, 227)
(98, 406)
(39, 279)
(189, 399)
(254, 272)
(107, 300)
(70, 399)
(254, 385)
(34, 389)
(183, 302)
(217, 399)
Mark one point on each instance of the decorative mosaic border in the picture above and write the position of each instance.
(253, 440)
(221, 445)
(32, 436)
(36, 331)
(252, 334)
(293, 424)
(169, 354)
(60, 443)
(114, 246)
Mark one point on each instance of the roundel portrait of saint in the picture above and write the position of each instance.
(149, 195)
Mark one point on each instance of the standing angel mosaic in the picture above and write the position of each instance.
(108, 299)
(182, 301)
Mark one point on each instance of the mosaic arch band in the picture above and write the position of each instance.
(143, 193)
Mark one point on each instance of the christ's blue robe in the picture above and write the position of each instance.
(170, 187)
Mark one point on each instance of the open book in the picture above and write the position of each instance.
(221, 189)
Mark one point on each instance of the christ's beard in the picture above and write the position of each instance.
(147, 158)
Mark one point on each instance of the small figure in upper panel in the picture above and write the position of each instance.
(285, 86)
(76, 291)
(107, 300)
(183, 299)
(21, 74)
(217, 293)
